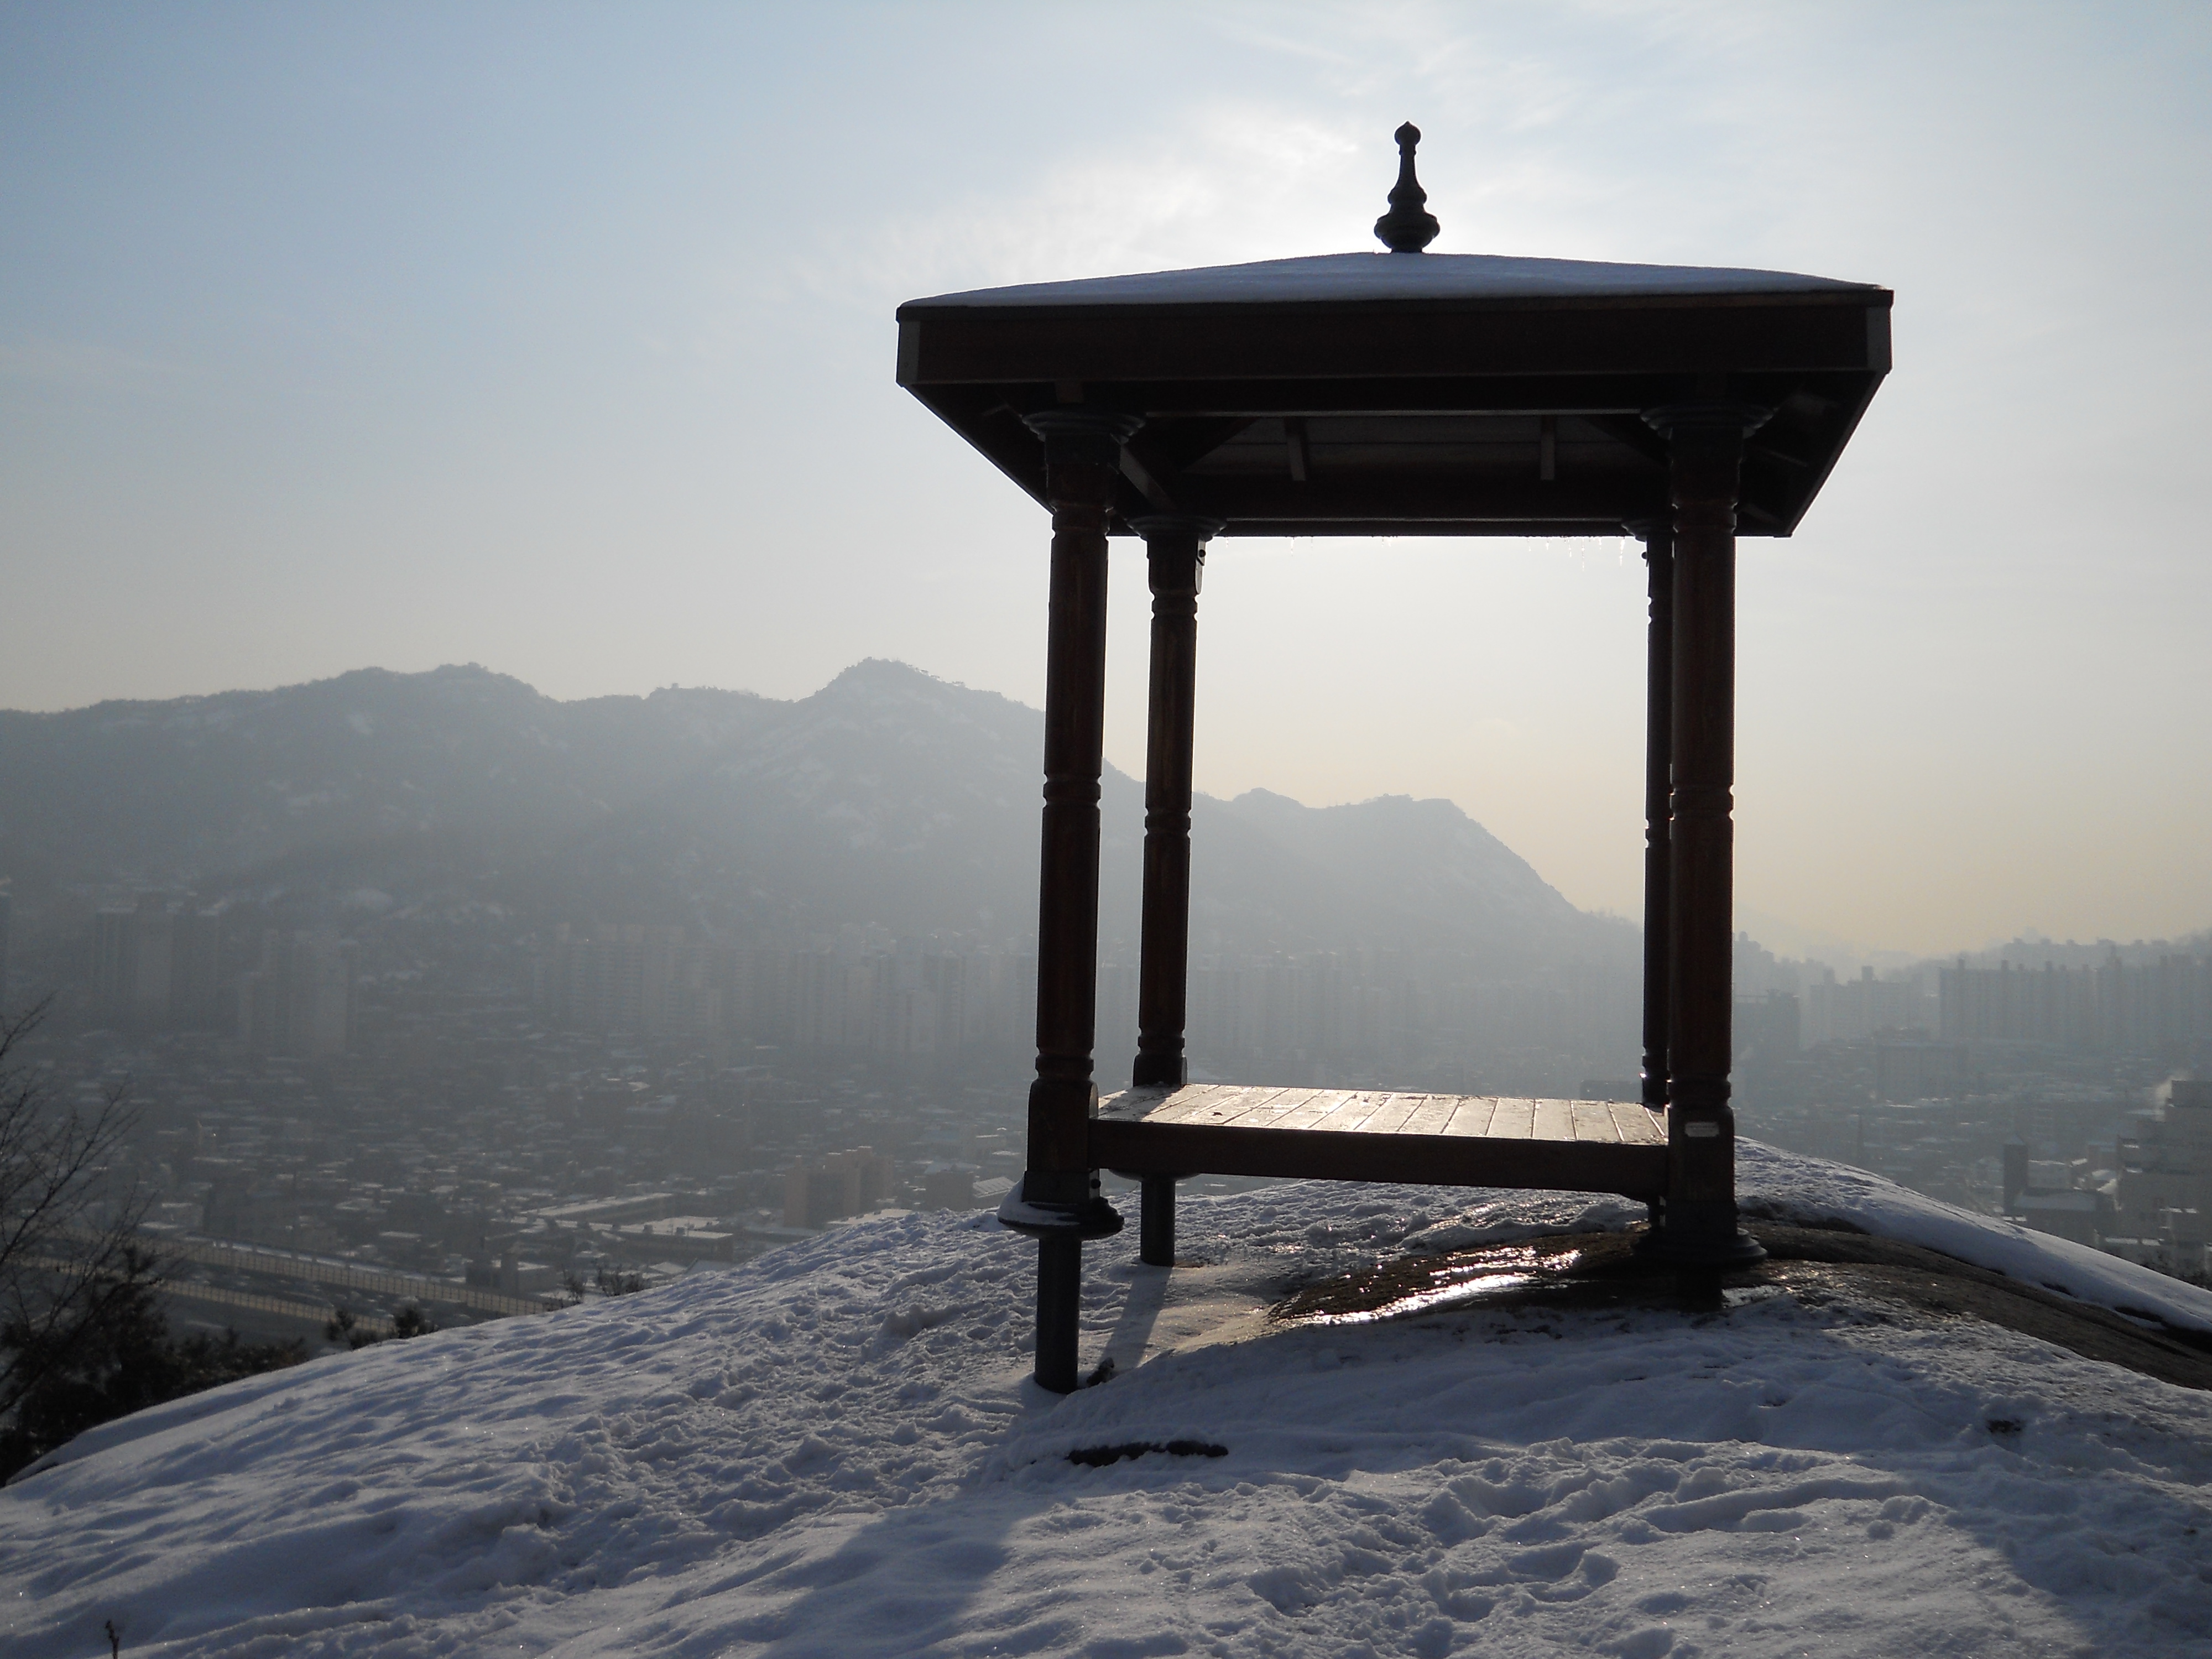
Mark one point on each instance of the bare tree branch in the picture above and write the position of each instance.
(63, 1268)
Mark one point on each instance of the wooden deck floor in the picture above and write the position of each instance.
(1353, 1134)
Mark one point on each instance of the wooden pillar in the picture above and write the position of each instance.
(1059, 1199)
(1658, 746)
(1175, 550)
(1697, 1220)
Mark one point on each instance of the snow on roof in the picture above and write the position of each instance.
(1396, 276)
(835, 1450)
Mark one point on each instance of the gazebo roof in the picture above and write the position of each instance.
(1409, 393)
(1336, 277)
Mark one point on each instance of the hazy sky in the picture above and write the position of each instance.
(559, 338)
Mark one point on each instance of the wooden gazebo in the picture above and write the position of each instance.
(1395, 393)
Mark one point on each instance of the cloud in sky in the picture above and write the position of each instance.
(560, 340)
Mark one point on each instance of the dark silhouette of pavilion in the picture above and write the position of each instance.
(1398, 393)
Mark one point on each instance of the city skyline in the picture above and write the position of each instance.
(401, 338)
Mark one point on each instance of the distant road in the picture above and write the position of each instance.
(191, 1290)
(281, 1264)
(313, 1313)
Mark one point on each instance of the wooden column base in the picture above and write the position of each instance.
(1687, 1234)
(1158, 1071)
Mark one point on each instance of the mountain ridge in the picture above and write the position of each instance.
(887, 796)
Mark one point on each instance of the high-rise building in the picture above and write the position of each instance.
(300, 1001)
(1847, 1010)
(157, 966)
(196, 968)
(818, 1191)
(2140, 1007)
(629, 977)
(131, 947)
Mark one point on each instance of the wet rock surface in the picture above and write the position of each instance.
(1819, 1267)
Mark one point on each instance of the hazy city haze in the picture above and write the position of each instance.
(561, 342)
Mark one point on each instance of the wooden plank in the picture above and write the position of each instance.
(1170, 1106)
(1391, 1115)
(1435, 1111)
(1209, 1103)
(1174, 1102)
(1211, 1096)
(1254, 1105)
(1555, 1121)
(1385, 1113)
(1133, 1105)
(1514, 1120)
(1352, 1111)
(1337, 1109)
(1638, 1125)
(1313, 1106)
(1219, 1102)
(1594, 1121)
(1268, 1114)
(1470, 1115)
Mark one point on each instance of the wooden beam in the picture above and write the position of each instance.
(1145, 477)
(1380, 493)
(1171, 407)
(1774, 497)
(1609, 526)
(1099, 345)
(1176, 444)
(1583, 395)
(1638, 1171)
(1631, 432)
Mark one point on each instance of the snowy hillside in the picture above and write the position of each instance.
(834, 1450)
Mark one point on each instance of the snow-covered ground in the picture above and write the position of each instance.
(835, 1450)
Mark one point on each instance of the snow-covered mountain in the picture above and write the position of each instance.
(458, 762)
(887, 797)
(1394, 869)
(835, 1450)
(893, 797)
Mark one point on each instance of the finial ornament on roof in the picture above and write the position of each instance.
(1408, 227)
